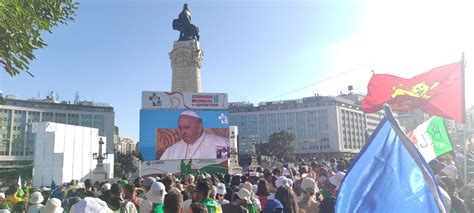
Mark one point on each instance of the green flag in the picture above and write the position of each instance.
(431, 138)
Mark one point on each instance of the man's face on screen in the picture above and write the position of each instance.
(190, 128)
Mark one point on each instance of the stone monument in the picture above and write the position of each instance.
(99, 173)
(186, 56)
(233, 165)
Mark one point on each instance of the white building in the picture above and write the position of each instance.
(17, 116)
(65, 152)
(324, 126)
(126, 146)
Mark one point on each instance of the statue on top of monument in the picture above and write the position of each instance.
(187, 31)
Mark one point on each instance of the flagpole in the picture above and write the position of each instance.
(463, 66)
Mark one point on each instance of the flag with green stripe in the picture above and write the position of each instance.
(431, 138)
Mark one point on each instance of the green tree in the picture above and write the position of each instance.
(126, 163)
(280, 144)
(21, 24)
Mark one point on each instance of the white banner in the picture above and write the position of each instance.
(211, 166)
(183, 100)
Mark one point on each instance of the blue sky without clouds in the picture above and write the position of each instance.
(253, 50)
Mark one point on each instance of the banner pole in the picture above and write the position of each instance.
(463, 66)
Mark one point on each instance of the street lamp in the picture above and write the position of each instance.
(99, 156)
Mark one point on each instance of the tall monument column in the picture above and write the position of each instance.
(186, 56)
(186, 59)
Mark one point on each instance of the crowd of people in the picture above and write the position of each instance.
(309, 187)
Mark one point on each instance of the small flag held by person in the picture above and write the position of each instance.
(21, 193)
(431, 138)
(389, 174)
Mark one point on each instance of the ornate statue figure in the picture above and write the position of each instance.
(183, 24)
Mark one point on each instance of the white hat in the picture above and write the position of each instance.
(244, 194)
(254, 174)
(450, 171)
(336, 180)
(106, 186)
(309, 185)
(90, 204)
(282, 181)
(157, 193)
(36, 197)
(148, 181)
(190, 113)
(53, 205)
(221, 189)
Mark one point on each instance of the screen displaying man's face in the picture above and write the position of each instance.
(190, 128)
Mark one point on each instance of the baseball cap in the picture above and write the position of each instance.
(157, 192)
(244, 194)
(271, 205)
(221, 189)
(106, 186)
(148, 181)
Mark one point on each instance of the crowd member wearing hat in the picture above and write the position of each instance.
(240, 199)
(2, 201)
(287, 198)
(273, 206)
(105, 192)
(450, 171)
(234, 186)
(90, 204)
(146, 205)
(254, 205)
(195, 143)
(35, 201)
(303, 171)
(220, 192)
(53, 205)
(308, 202)
(173, 202)
(262, 192)
(202, 191)
(156, 196)
(336, 179)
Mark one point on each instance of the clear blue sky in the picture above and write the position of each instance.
(253, 50)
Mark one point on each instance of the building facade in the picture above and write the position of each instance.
(17, 117)
(323, 126)
(126, 146)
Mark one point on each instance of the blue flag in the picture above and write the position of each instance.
(389, 175)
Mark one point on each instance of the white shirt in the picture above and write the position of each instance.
(204, 147)
(35, 208)
(145, 206)
(90, 204)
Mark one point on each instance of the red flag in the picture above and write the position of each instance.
(439, 91)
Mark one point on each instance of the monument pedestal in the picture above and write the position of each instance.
(253, 163)
(186, 59)
(99, 174)
(233, 165)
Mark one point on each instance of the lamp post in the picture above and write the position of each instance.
(100, 157)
